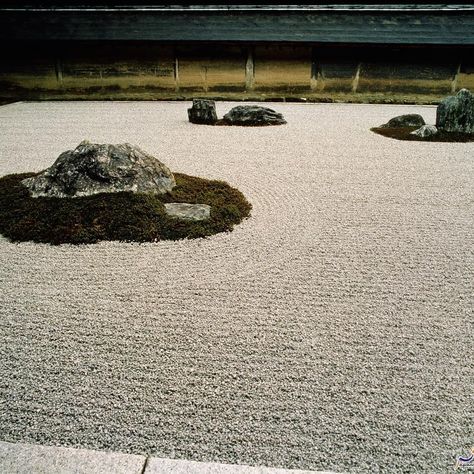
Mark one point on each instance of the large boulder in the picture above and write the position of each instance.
(407, 120)
(456, 113)
(92, 169)
(253, 115)
(203, 111)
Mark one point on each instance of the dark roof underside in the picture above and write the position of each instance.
(317, 26)
(150, 5)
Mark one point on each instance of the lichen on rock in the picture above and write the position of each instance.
(456, 113)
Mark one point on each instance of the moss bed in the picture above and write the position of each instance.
(404, 134)
(117, 216)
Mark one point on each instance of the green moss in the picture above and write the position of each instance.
(117, 216)
(403, 133)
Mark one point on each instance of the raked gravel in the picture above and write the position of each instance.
(332, 330)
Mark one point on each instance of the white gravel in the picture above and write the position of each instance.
(331, 330)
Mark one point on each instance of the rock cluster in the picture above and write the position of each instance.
(456, 113)
(102, 168)
(453, 114)
(203, 111)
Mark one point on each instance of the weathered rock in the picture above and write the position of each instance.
(407, 120)
(191, 212)
(203, 111)
(253, 115)
(456, 113)
(92, 168)
(425, 131)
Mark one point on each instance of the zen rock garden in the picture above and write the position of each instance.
(203, 112)
(454, 122)
(114, 192)
(119, 192)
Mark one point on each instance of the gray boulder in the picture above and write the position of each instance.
(407, 120)
(425, 131)
(456, 113)
(189, 212)
(92, 169)
(203, 111)
(253, 115)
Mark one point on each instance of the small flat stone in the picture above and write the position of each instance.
(189, 212)
(425, 131)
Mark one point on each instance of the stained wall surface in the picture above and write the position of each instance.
(161, 70)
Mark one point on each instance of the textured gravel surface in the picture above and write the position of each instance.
(331, 330)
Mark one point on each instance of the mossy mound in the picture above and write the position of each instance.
(123, 216)
(404, 133)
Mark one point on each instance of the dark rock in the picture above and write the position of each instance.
(456, 113)
(92, 169)
(203, 111)
(253, 115)
(188, 212)
(425, 131)
(408, 120)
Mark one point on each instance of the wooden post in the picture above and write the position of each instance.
(313, 81)
(316, 81)
(454, 83)
(249, 70)
(176, 73)
(204, 78)
(59, 71)
(355, 82)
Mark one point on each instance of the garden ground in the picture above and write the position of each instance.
(330, 331)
